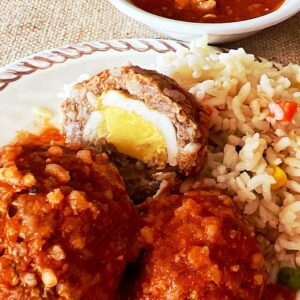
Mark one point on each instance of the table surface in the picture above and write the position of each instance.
(28, 26)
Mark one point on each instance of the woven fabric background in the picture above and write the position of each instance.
(28, 26)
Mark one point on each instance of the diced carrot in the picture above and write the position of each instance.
(283, 111)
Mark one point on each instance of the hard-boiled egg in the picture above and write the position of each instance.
(133, 128)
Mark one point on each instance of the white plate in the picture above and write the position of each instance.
(36, 80)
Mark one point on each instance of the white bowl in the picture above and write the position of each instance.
(217, 32)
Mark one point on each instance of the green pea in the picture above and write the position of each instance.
(289, 277)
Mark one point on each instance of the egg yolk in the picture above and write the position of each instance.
(133, 135)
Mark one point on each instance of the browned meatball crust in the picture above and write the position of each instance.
(67, 226)
(198, 247)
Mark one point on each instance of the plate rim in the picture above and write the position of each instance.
(47, 58)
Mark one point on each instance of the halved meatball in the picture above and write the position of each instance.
(67, 226)
(198, 247)
(156, 125)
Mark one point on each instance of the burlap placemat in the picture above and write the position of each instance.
(28, 26)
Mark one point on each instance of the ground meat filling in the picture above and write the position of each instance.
(67, 226)
(142, 181)
(198, 247)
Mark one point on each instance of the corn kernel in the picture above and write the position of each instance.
(279, 175)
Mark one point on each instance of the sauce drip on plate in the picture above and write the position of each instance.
(209, 11)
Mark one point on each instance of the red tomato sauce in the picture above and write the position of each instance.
(278, 292)
(209, 11)
(47, 135)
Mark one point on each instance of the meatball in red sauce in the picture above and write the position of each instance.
(198, 247)
(67, 226)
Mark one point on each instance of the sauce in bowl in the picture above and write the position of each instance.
(209, 11)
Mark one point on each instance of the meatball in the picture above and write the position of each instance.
(198, 247)
(67, 226)
(148, 160)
